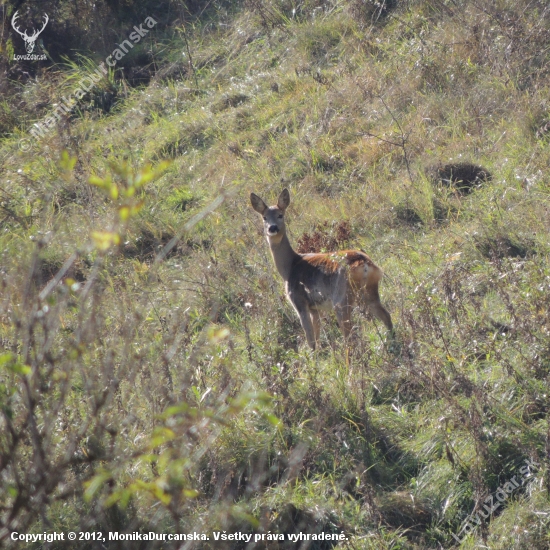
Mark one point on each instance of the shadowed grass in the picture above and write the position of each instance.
(147, 393)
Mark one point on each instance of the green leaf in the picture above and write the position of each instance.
(6, 358)
(160, 436)
(175, 409)
(272, 419)
(96, 180)
(154, 489)
(67, 163)
(19, 368)
(114, 497)
(95, 484)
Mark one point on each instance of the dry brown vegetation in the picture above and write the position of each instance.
(152, 376)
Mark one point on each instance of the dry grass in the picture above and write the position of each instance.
(171, 390)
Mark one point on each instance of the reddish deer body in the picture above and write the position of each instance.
(316, 282)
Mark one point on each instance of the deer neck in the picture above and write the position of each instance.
(283, 256)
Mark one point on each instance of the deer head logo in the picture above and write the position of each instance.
(29, 40)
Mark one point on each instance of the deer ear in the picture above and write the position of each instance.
(284, 199)
(257, 203)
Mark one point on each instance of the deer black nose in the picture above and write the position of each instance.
(273, 229)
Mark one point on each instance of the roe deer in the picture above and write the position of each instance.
(315, 282)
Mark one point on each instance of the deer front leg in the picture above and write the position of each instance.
(303, 311)
(316, 322)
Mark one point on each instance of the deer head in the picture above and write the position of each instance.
(273, 216)
(29, 40)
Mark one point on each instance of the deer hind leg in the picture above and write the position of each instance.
(380, 312)
(343, 314)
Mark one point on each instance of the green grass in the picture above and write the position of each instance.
(180, 395)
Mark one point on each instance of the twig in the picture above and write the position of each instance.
(191, 65)
(60, 274)
(403, 138)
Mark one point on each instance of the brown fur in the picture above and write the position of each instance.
(314, 282)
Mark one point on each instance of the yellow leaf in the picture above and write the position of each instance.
(105, 239)
(96, 180)
(124, 213)
(6, 358)
(67, 162)
(148, 174)
(217, 335)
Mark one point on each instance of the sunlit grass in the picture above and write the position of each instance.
(394, 443)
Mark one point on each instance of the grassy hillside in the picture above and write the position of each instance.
(152, 375)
